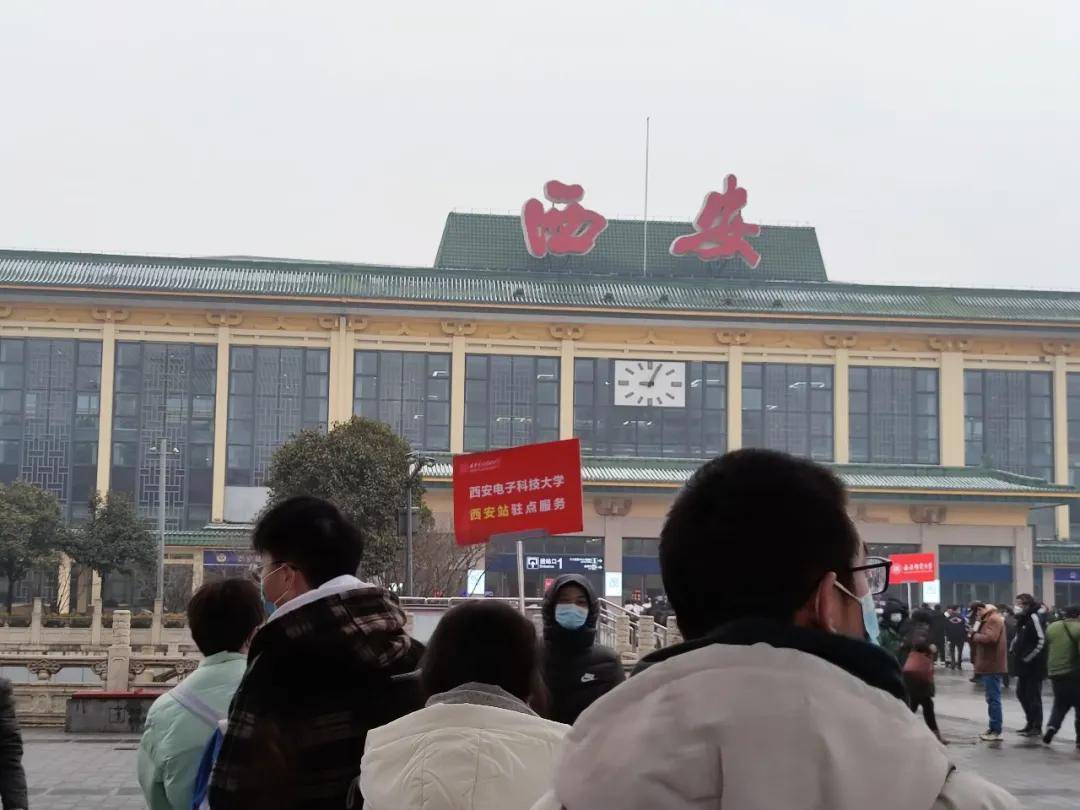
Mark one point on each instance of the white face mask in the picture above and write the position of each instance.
(896, 617)
(1018, 609)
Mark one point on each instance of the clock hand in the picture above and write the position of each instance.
(652, 379)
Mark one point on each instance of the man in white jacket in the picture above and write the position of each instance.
(776, 700)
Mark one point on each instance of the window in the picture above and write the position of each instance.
(165, 390)
(50, 399)
(894, 415)
(975, 555)
(510, 401)
(698, 430)
(409, 391)
(1008, 421)
(1072, 388)
(274, 393)
(789, 407)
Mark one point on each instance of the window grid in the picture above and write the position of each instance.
(698, 430)
(165, 389)
(789, 407)
(274, 393)
(50, 398)
(893, 415)
(510, 400)
(1008, 421)
(409, 391)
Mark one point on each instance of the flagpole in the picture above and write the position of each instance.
(645, 225)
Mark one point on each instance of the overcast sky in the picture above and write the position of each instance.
(926, 141)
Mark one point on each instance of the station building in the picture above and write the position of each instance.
(951, 414)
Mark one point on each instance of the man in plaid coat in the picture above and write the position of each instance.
(332, 662)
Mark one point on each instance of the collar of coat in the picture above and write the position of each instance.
(867, 662)
(364, 620)
(481, 694)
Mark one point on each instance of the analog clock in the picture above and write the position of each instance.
(650, 382)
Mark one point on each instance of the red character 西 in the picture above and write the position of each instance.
(572, 229)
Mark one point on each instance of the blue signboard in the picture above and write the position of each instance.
(1067, 575)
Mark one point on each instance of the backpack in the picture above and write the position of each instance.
(183, 695)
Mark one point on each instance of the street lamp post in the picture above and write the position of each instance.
(416, 464)
(162, 449)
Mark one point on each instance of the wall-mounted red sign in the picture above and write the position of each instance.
(572, 229)
(720, 230)
(913, 568)
(532, 488)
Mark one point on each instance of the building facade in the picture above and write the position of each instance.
(953, 415)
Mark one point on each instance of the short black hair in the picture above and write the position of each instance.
(482, 641)
(311, 535)
(1072, 612)
(223, 615)
(752, 534)
(1025, 598)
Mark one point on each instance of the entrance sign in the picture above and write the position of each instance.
(721, 232)
(535, 488)
(913, 568)
(613, 585)
(931, 592)
(570, 230)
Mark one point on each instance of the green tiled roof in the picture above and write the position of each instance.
(951, 482)
(227, 535)
(494, 242)
(1057, 554)
(300, 282)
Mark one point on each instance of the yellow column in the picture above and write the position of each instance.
(566, 390)
(734, 398)
(1061, 441)
(841, 434)
(221, 426)
(951, 404)
(341, 366)
(457, 394)
(105, 411)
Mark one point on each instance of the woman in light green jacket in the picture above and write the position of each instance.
(222, 616)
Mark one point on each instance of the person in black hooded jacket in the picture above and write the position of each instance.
(576, 670)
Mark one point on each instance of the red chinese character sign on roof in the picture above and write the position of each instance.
(720, 230)
(572, 229)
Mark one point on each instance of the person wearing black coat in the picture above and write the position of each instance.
(577, 671)
(937, 631)
(956, 635)
(12, 776)
(1029, 652)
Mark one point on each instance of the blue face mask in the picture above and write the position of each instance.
(571, 617)
(268, 604)
(869, 617)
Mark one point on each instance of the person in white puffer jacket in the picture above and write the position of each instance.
(477, 744)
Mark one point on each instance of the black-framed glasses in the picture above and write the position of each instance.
(876, 570)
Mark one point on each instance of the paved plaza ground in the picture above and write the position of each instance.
(78, 771)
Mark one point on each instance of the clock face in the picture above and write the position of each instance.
(650, 382)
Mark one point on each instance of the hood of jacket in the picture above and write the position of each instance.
(360, 623)
(481, 694)
(460, 755)
(752, 726)
(554, 633)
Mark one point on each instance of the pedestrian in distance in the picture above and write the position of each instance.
(937, 632)
(222, 617)
(479, 743)
(13, 793)
(576, 669)
(776, 699)
(1009, 616)
(989, 651)
(892, 628)
(1063, 666)
(956, 636)
(332, 662)
(1028, 652)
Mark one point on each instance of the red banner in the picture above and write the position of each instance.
(532, 488)
(913, 568)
